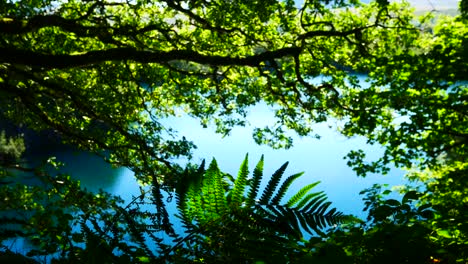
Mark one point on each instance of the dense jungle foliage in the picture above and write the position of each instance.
(100, 75)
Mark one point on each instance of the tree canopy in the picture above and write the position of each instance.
(104, 74)
(78, 66)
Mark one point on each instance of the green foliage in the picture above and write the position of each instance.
(218, 215)
(406, 230)
(396, 232)
(60, 218)
(72, 225)
(446, 191)
(11, 149)
(103, 75)
(419, 99)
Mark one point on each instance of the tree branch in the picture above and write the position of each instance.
(49, 61)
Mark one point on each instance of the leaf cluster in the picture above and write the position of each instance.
(229, 219)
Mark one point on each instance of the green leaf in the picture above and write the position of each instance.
(306, 199)
(284, 187)
(392, 202)
(272, 184)
(255, 183)
(241, 181)
(411, 195)
(424, 207)
(300, 194)
(444, 233)
(314, 203)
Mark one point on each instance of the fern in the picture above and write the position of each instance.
(314, 203)
(306, 199)
(300, 194)
(272, 184)
(213, 191)
(241, 181)
(224, 212)
(255, 183)
(284, 187)
(190, 179)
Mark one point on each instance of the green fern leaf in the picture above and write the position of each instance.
(314, 203)
(313, 222)
(194, 209)
(188, 180)
(304, 223)
(292, 220)
(241, 181)
(219, 189)
(306, 199)
(298, 196)
(272, 184)
(332, 212)
(324, 220)
(318, 202)
(208, 189)
(273, 212)
(255, 183)
(284, 187)
(215, 206)
(229, 177)
(321, 210)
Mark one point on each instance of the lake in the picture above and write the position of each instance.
(320, 159)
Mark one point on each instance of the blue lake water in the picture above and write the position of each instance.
(320, 159)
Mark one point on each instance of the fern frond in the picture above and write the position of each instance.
(230, 178)
(298, 196)
(326, 219)
(241, 181)
(306, 225)
(220, 191)
(213, 191)
(291, 218)
(306, 199)
(197, 178)
(332, 212)
(195, 208)
(272, 184)
(314, 203)
(273, 212)
(208, 188)
(219, 216)
(255, 183)
(284, 187)
(321, 210)
(312, 221)
(188, 199)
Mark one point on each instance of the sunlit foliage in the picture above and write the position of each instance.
(102, 75)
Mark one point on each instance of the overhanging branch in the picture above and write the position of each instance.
(49, 61)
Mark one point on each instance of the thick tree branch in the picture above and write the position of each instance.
(14, 26)
(48, 61)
